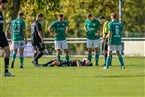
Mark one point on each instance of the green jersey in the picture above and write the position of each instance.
(59, 28)
(92, 27)
(17, 27)
(116, 28)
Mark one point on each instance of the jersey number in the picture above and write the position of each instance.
(117, 29)
(16, 27)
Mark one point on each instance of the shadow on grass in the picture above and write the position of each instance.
(119, 76)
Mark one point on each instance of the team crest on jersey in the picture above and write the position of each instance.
(94, 24)
(63, 24)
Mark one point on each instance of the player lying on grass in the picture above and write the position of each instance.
(64, 63)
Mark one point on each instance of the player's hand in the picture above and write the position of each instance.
(102, 41)
(55, 34)
(97, 34)
(108, 44)
(86, 30)
(26, 41)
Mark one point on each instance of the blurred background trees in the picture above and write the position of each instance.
(75, 12)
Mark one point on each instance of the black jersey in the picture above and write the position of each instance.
(35, 27)
(1, 22)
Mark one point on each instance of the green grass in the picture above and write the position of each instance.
(75, 81)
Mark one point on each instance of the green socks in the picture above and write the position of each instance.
(121, 60)
(108, 61)
(58, 57)
(90, 57)
(97, 58)
(21, 60)
(67, 57)
(13, 57)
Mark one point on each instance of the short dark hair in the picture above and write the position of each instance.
(3, 1)
(114, 15)
(60, 15)
(40, 15)
(89, 15)
(20, 13)
(102, 17)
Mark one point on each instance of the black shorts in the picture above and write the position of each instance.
(3, 40)
(39, 46)
(105, 45)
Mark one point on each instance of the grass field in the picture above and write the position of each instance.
(75, 81)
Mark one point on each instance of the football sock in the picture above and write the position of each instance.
(49, 62)
(6, 60)
(67, 57)
(111, 60)
(38, 56)
(58, 57)
(97, 57)
(13, 57)
(90, 57)
(121, 60)
(105, 55)
(35, 54)
(108, 61)
(21, 60)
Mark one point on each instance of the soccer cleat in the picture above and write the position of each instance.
(104, 64)
(35, 64)
(105, 68)
(122, 67)
(12, 65)
(97, 65)
(21, 66)
(8, 74)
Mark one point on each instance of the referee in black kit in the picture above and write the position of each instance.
(4, 43)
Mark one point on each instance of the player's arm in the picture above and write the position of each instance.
(40, 33)
(98, 33)
(24, 34)
(67, 29)
(109, 36)
(85, 27)
(50, 29)
(11, 32)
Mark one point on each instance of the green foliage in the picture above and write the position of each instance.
(75, 12)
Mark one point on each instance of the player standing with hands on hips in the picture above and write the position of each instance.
(59, 30)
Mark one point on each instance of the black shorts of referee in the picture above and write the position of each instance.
(3, 40)
(105, 44)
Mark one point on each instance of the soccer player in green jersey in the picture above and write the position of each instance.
(18, 38)
(92, 27)
(114, 40)
(59, 30)
(105, 37)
